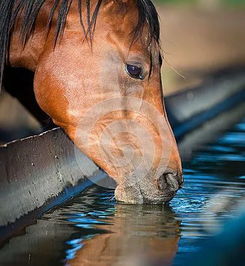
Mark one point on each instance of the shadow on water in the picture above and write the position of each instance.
(93, 230)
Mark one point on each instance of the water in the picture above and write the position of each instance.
(93, 230)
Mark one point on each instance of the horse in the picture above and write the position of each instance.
(93, 68)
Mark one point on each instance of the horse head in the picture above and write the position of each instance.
(101, 83)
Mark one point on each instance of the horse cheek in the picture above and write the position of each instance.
(50, 95)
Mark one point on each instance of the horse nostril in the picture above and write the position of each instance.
(169, 181)
(162, 183)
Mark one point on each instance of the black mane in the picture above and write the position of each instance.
(10, 9)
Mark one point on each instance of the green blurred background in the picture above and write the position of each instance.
(228, 3)
(200, 38)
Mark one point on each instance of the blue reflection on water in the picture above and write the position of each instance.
(75, 245)
(215, 174)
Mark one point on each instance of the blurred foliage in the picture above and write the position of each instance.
(232, 3)
(175, 1)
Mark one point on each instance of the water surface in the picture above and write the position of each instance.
(93, 230)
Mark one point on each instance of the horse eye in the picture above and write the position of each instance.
(134, 71)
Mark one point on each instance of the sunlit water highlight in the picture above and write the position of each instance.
(93, 230)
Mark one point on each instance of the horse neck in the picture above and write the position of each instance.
(27, 55)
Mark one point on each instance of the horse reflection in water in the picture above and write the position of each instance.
(96, 73)
(139, 235)
(94, 230)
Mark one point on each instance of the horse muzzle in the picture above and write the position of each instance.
(159, 191)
